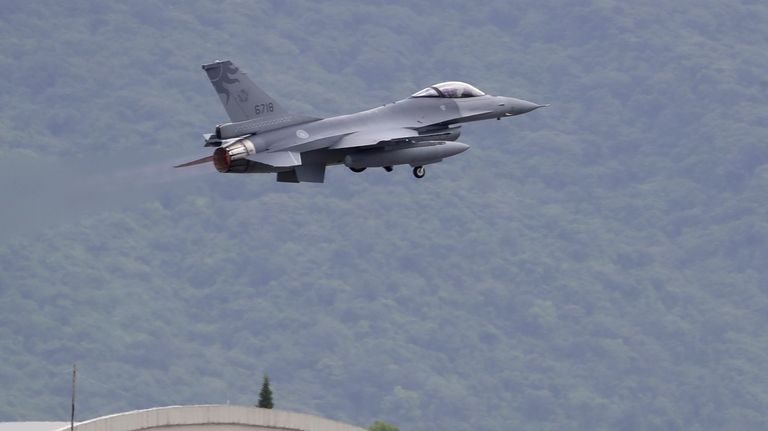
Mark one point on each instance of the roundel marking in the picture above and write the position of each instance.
(302, 134)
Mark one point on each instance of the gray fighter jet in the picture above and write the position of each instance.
(416, 131)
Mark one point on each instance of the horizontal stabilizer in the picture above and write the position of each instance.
(195, 162)
(279, 159)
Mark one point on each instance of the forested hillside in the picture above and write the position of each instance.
(599, 264)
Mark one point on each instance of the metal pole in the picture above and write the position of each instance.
(72, 415)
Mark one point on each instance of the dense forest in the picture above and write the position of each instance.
(598, 264)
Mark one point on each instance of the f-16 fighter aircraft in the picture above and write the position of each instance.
(416, 131)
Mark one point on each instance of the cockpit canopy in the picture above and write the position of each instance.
(452, 89)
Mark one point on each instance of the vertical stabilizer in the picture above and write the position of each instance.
(242, 99)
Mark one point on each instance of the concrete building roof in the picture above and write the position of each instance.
(209, 418)
(32, 426)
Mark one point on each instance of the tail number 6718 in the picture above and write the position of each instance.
(263, 108)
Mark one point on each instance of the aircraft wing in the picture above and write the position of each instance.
(394, 137)
(367, 138)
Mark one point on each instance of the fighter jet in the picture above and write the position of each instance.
(423, 129)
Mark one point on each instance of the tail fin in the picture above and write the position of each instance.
(242, 99)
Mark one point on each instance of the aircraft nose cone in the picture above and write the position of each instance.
(519, 106)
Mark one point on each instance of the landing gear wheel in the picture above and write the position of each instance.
(419, 172)
(388, 168)
(357, 170)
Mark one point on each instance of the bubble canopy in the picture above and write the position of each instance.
(451, 89)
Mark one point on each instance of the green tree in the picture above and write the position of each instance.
(382, 426)
(265, 396)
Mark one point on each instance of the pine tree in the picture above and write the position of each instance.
(265, 396)
(382, 426)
